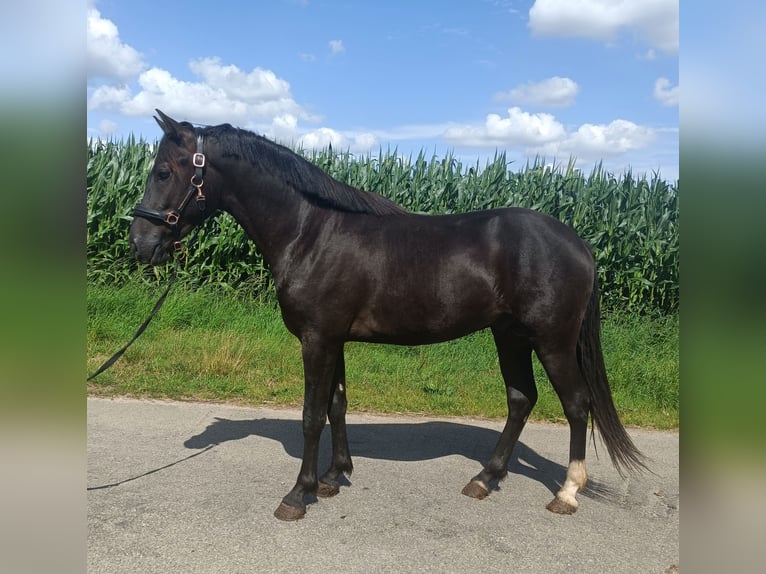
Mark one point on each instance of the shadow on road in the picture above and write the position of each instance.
(402, 442)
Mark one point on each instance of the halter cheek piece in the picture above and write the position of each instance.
(172, 218)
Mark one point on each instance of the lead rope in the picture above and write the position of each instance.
(113, 359)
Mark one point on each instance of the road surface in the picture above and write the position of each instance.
(190, 488)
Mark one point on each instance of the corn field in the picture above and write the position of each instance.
(632, 223)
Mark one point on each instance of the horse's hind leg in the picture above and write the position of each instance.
(515, 355)
(329, 484)
(564, 374)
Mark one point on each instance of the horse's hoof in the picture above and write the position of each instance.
(476, 490)
(289, 513)
(325, 490)
(560, 507)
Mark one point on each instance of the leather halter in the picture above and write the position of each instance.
(172, 218)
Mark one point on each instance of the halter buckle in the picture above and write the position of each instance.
(171, 218)
(198, 160)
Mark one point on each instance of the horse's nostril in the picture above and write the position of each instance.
(141, 251)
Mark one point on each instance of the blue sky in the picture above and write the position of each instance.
(592, 79)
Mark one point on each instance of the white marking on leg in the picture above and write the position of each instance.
(577, 477)
(340, 387)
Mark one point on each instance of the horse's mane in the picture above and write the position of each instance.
(298, 173)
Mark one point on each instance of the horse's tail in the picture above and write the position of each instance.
(622, 451)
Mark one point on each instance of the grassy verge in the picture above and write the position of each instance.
(207, 346)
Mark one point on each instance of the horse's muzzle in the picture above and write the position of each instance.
(149, 243)
(152, 252)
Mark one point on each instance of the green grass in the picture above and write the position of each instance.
(204, 345)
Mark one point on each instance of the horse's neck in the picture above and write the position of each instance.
(272, 214)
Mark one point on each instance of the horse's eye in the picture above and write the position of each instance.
(163, 174)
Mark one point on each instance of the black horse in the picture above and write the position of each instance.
(350, 265)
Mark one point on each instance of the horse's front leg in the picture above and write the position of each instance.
(319, 364)
(329, 483)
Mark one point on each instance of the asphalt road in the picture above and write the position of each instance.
(191, 488)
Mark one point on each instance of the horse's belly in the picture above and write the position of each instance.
(420, 322)
(410, 337)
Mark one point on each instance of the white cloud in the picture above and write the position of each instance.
(664, 93)
(284, 127)
(107, 128)
(364, 142)
(654, 21)
(595, 141)
(542, 134)
(107, 56)
(554, 92)
(504, 6)
(225, 94)
(256, 86)
(108, 97)
(323, 137)
(356, 142)
(518, 129)
(336, 47)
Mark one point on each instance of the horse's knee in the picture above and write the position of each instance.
(521, 403)
(313, 426)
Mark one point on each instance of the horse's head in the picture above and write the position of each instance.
(177, 195)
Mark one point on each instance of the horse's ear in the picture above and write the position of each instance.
(169, 126)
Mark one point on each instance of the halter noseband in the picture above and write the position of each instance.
(173, 217)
